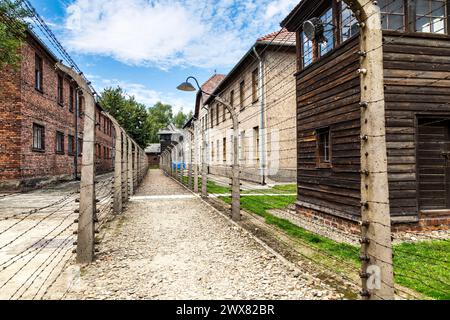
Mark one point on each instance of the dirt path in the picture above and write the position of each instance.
(170, 245)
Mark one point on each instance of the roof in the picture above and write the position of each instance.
(211, 84)
(209, 87)
(170, 129)
(279, 38)
(153, 148)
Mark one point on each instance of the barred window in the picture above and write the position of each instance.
(71, 145)
(59, 142)
(38, 137)
(392, 14)
(307, 50)
(323, 138)
(431, 16)
(71, 99)
(349, 24)
(60, 90)
(328, 45)
(38, 73)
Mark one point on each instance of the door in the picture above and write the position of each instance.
(433, 163)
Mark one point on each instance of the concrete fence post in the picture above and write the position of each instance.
(125, 167)
(118, 170)
(196, 158)
(130, 168)
(87, 210)
(204, 166)
(135, 166)
(190, 165)
(376, 251)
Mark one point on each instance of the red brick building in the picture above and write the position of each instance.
(41, 131)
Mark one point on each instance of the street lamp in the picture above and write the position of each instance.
(236, 185)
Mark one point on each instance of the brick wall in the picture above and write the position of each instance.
(10, 122)
(21, 106)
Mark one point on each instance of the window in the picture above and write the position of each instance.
(243, 146)
(60, 90)
(80, 105)
(323, 138)
(256, 142)
(224, 150)
(80, 147)
(328, 45)
(212, 151)
(70, 145)
(212, 117)
(349, 24)
(307, 50)
(218, 149)
(38, 137)
(217, 113)
(71, 99)
(241, 94)
(392, 14)
(255, 84)
(232, 98)
(104, 153)
(224, 113)
(38, 76)
(431, 16)
(59, 142)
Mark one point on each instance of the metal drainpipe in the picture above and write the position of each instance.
(262, 131)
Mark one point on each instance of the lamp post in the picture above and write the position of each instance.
(236, 185)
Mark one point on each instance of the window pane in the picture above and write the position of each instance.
(307, 48)
(431, 16)
(423, 25)
(349, 23)
(395, 23)
(327, 19)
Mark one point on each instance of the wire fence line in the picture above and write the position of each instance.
(41, 229)
(420, 259)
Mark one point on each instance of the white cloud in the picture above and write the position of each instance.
(168, 33)
(145, 95)
(279, 7)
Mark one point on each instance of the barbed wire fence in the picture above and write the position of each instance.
(44, 228)
(276, 202)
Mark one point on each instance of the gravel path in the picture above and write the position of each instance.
(179, 248)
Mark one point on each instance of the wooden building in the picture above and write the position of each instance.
(417, 93)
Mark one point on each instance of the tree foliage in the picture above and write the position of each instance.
(12, 31)
(141, 124)
(129, 113)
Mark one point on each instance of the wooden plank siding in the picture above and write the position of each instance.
(417, 84)
(329, 96)
(417, 78)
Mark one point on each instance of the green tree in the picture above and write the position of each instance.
(12, 31)
(159, 117)
(129, 113)
(180, 119)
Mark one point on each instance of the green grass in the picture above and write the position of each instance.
(423, 266)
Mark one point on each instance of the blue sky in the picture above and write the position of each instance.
(149, 46)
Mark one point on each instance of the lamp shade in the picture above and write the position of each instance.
(186, 86)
